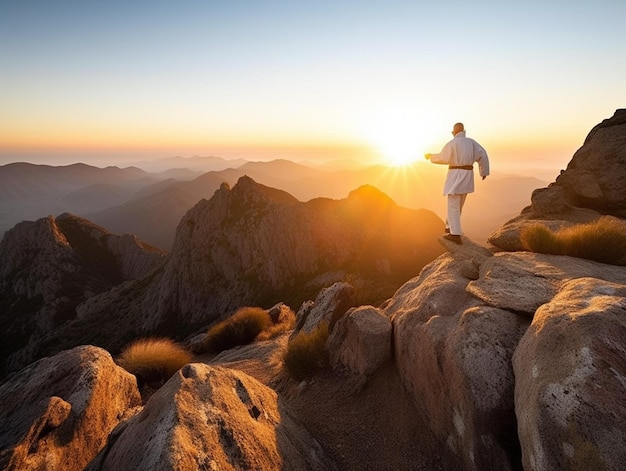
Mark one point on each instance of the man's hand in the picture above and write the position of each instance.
(427, 156)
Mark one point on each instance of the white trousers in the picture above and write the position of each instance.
(455, 208)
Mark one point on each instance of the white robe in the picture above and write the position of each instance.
(461, 151)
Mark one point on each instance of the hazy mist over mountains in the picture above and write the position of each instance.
(150, 201)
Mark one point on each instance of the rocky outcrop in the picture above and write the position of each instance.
(466, 352)
(454, 355)
(212, 418)
(48, 268)
(570, 371)
(593, 184)
(456, 339)
(58, 412)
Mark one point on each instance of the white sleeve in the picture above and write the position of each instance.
(480, 156)
(444, 156)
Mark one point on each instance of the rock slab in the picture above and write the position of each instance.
(212, 418)
(57, 413)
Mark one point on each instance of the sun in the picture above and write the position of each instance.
(396, 146)
(398, 138)
(396, 152)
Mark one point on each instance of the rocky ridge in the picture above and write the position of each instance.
(255, 245)
(49, 267)
(249, 245)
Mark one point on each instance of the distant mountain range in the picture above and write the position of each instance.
(150, 205)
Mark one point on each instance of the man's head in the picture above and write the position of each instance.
(458, 127)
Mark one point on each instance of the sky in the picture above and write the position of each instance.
(105, 82)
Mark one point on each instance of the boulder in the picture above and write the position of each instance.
(570, 370)
(360, 341)
(212, 418)
(523, 281)
(595, 177)
(330, 304)
(454, 356)
(58, 412)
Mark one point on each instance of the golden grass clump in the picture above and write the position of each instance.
(241, 328)
(153, 360)
(603, 240)
(307, 353)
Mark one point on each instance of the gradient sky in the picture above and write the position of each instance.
(110, 81)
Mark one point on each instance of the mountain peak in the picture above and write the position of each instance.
(52, 265)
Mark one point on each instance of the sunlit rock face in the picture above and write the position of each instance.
(501, 391)
(570, 372)
(49, 267)
(212, 418)
(524, 281)
(454, 355)
(58, 412)
(257, 245)
(593, 184)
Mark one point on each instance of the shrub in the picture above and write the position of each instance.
(603, 240)
(307, 353)
(153, 360)
(239, 329)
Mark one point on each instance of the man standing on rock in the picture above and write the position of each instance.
(459, 155)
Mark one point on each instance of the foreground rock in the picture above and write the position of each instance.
(58, 412)
(454, 355)
(570, 370)
(212, 418)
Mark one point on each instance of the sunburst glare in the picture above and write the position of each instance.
(399, 137)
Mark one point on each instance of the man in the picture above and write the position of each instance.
(459, 154)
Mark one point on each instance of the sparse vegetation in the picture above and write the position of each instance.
(241, 328)
(153, 360)
(603, 240)
(307, 353)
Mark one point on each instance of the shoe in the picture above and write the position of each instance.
(453, 238)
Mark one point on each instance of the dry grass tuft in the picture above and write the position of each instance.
(241, 328)
(603, 240)
(153, 360)
(307, 353)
